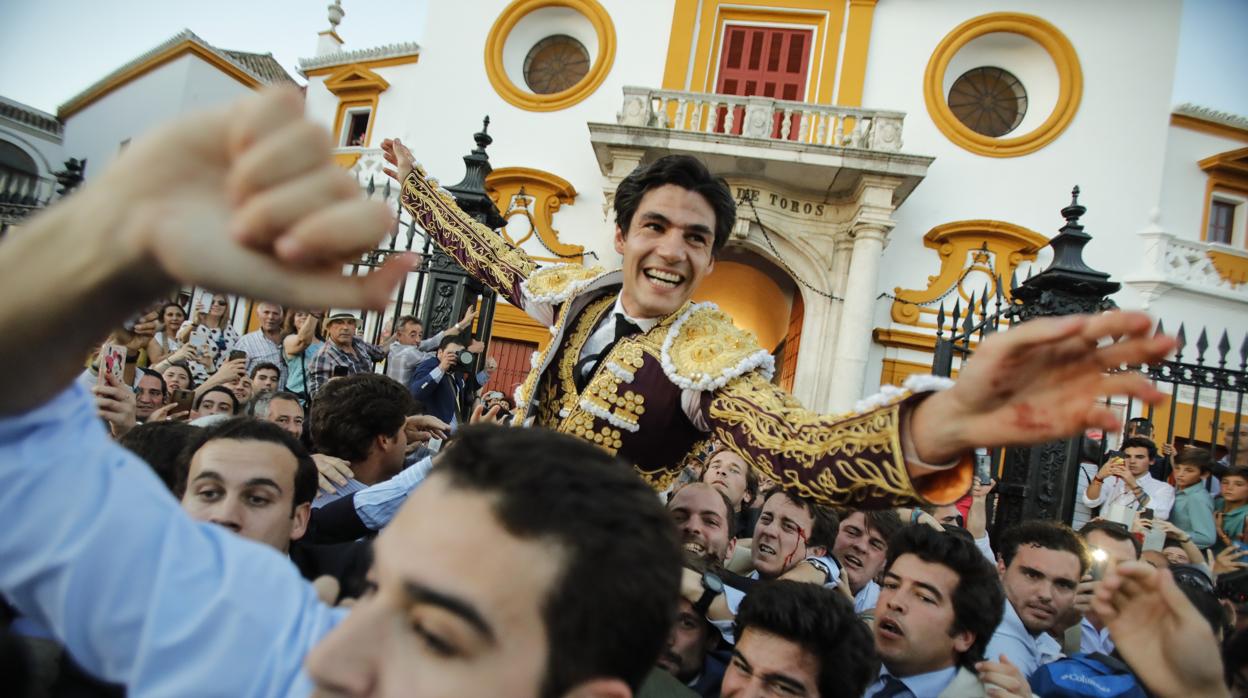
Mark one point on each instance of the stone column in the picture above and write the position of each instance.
(853, 336)
(869, 230)
(623, 162)
(816, 360)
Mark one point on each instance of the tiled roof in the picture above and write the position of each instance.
(261, 66)
(1206, 114)
(30, 116)
(406, 48)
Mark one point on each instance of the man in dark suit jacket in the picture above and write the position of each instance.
(437, 385)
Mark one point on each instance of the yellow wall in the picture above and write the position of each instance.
(751, 298)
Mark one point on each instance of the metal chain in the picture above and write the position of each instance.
(774, 251)
(965, 272)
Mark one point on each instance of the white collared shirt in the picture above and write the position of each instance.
(1114, 490)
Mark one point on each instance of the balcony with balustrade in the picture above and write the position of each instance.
(799, 146)
(1170, 262)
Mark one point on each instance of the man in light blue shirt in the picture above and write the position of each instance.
(1041, 563)
(97, 551)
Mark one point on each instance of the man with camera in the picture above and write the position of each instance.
(441, 380)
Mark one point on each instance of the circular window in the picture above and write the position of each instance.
(1052, 73)
(554, 64)
(989, 101)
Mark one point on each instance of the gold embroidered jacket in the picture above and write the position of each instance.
(634, 403)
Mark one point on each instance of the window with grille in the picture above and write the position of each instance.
(989, 101)
(764, 61)
(554, 64)
(1221, 222)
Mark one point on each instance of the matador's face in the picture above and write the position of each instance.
(667, 250)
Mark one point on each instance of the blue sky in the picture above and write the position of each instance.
(52, 49)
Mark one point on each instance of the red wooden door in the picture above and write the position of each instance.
(513, 364)
(764, 61)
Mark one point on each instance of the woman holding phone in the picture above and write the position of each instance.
(303, 338)
(209, 331)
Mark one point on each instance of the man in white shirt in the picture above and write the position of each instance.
(1126, 481)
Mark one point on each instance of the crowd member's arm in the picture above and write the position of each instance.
(157, 215)
(977, 515)
(1001, 679)
(294, 344)
(1165, 640)
(1188, 541)
(181, 355)
(431, 343)
(365, 512)
(242, 199)
(116, 404)
(1094, 495)
(426, 377)
(229, 372)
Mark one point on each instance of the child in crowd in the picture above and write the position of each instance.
(1231, 507)
(1193, 505)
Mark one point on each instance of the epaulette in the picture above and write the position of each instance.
(558, 283)
(704, 350)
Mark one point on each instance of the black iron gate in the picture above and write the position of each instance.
(1041, 481)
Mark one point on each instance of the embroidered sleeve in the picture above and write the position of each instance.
(482, 252)
(846, 460)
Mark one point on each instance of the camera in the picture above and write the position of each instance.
(463, 362)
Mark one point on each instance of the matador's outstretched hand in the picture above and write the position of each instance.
(1044, 379)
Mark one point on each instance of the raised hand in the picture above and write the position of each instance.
(1166, 641)
(331, 472)
(398, 155)
(115, 403)
(1042, 380)
(427, 424)
(167, 413)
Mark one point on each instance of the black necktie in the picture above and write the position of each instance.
(585, 367)
(893, 688)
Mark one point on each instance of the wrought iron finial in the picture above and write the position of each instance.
(483, 137)
(1074, 211)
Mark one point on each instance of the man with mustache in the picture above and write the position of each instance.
(939, 603)
(1040, 564)
(703, 516)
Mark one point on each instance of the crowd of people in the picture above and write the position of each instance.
(296, 509)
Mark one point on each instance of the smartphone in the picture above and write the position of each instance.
(183, 399)
(983, 466)
(236, 354)
(112, 360)
(1154, 539)
(340, 371)
(1100, 560)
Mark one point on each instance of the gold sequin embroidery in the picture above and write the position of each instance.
(854, 458)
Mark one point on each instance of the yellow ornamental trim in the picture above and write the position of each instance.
(704, 350)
